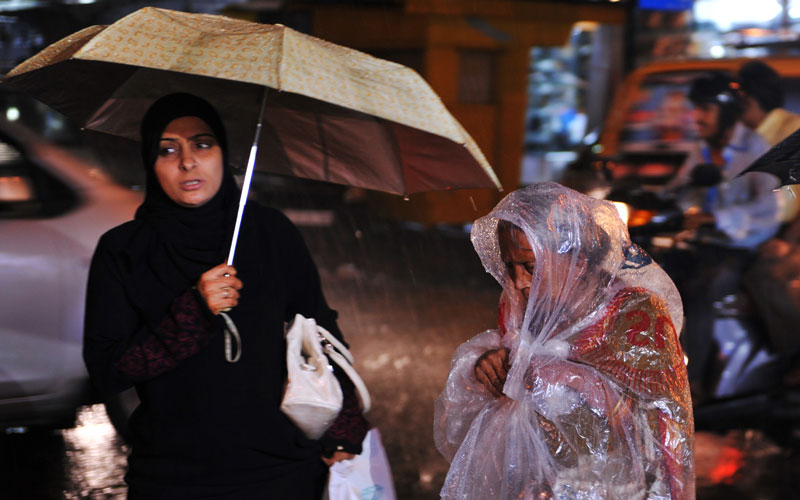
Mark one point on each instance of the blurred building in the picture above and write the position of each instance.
(530, 80)
(478, 55)
(487, 59)
(715, 29)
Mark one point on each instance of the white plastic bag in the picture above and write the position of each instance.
(365, 477)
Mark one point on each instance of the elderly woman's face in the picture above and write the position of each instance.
(517, 255)
(189, 162)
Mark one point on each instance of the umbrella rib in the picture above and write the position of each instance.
(326, 167)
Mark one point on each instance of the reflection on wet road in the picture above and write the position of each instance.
(744, 464)
(88, 463)
(83, 463)
(96, 457)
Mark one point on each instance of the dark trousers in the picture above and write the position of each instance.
(306, 484)
(704, 276)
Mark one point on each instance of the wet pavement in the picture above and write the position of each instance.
(83, 463)
(88, 463)
(407, 297)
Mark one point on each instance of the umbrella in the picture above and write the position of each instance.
(782, 160)
(313, 109)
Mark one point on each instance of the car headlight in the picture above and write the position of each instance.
(631, 216)
(623, 209)
(640, 217)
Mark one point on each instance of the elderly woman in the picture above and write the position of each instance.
(581, 391)
(208, 426)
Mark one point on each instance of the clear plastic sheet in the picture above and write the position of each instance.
(596, 402)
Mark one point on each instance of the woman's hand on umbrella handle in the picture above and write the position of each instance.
(337, 456)
(220, 287)
(491, 370)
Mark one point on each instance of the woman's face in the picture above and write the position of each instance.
(189, 162)
(516, 252)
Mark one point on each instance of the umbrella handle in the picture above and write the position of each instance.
(248, 178)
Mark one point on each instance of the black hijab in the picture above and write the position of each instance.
(176, 244)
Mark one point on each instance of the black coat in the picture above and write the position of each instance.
(206, 427)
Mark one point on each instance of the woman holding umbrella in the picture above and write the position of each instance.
(209, 425)
(581, 392)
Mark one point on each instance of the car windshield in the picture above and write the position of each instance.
(116, 157)
(660, 116)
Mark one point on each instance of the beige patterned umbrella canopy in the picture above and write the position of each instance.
(332, 113)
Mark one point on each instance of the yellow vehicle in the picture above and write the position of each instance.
(649, 131)
(651, 114)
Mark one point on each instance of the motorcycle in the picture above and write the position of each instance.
(745, 387)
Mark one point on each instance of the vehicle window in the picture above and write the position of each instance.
(26, 189)
(660, 116)
(47, 122)
(15, 186)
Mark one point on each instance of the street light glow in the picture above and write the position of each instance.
(728, 13)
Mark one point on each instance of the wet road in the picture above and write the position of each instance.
(83, 463)
(88, 463)
(407, 298)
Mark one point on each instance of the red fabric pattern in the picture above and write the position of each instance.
(182, 333)
(635, 343)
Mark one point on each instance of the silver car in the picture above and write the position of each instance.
(53, 208)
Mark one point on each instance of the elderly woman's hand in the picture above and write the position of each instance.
(220, 287)
(491, 370)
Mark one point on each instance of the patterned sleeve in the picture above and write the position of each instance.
(184, 330)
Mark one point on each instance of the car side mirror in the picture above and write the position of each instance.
(706, 175)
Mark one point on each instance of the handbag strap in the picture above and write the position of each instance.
(231, 334)
(363, 393)
(340, 355)
(336, 343)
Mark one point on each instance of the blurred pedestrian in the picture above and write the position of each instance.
(581, 391)
(209, 425)
(764, 98)
(743, 209)
(727, 220)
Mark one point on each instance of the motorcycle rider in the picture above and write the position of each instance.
(728, 221)
(763, 102)
(763, 112)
